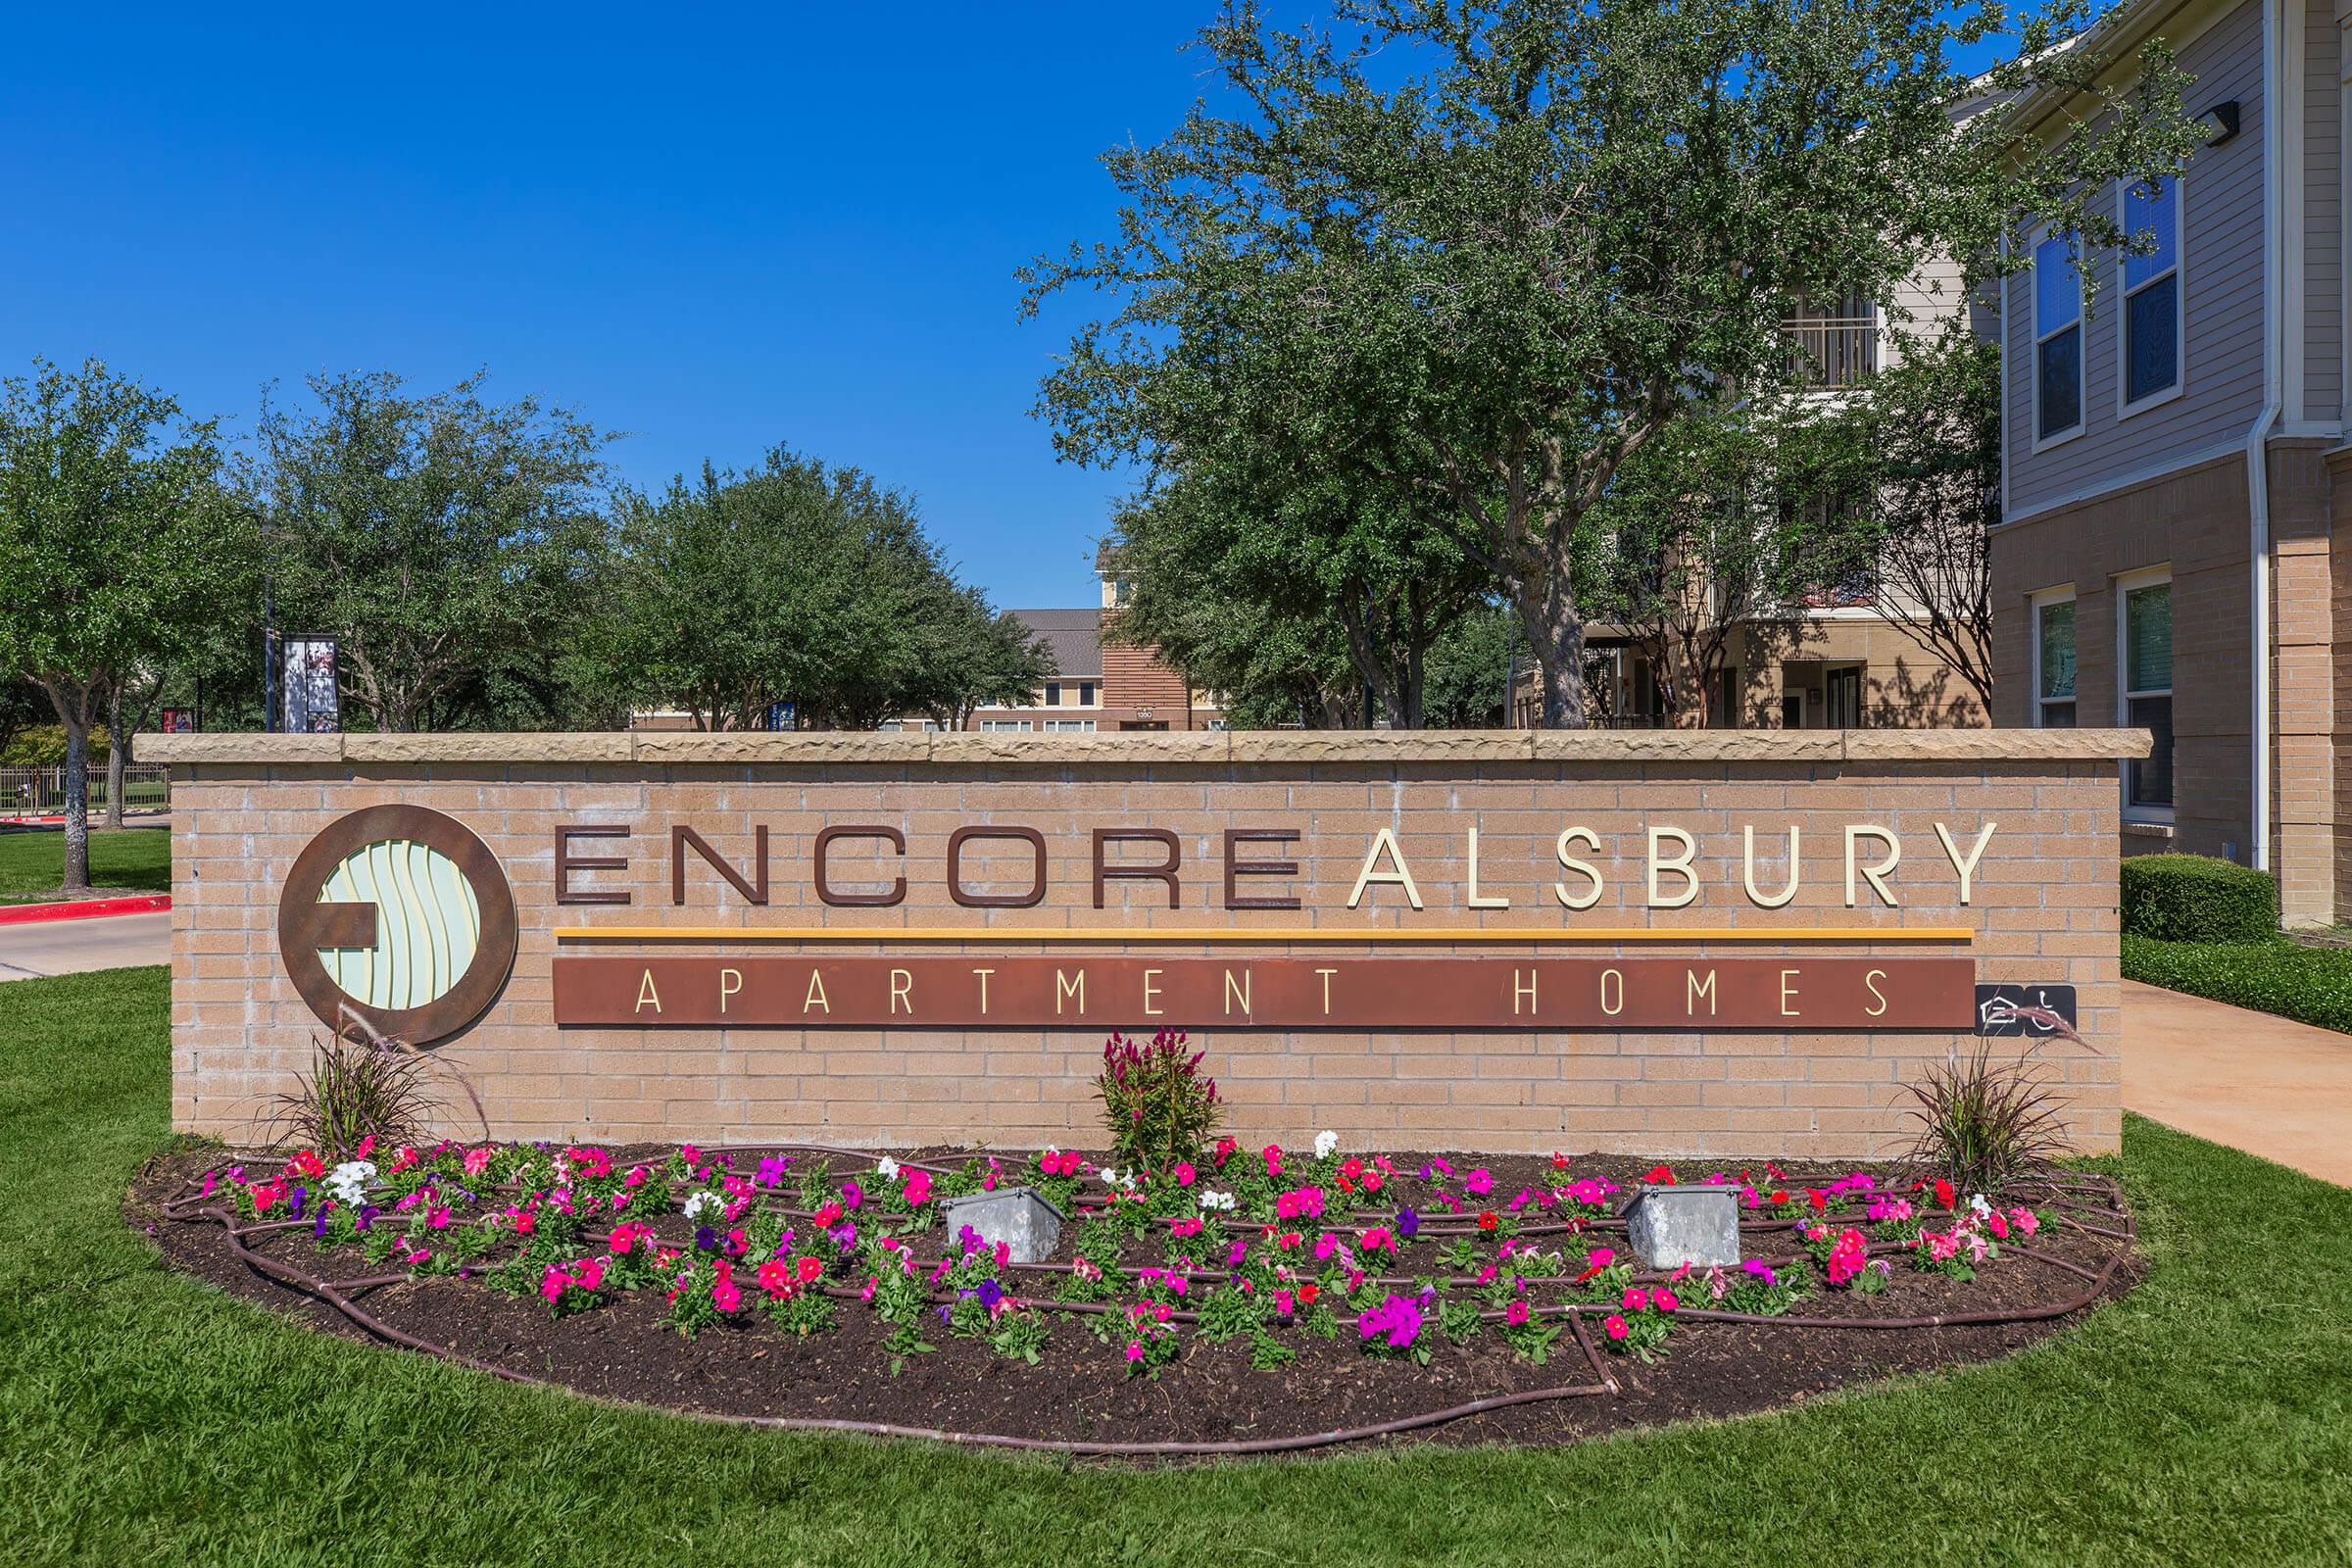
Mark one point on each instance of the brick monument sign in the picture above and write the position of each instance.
(1677, 942)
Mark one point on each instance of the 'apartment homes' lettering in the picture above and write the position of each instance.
(1322, 992)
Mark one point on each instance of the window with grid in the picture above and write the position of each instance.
(2057, 338)
(2151, 313)
(2148, 692)
(2054, 664)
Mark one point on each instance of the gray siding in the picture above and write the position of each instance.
(2322, 216)
(2222, 291)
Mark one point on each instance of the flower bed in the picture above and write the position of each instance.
(1251, 1298)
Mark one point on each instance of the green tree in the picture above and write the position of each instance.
(1507, 243)
(1471, 669)
(1271, 666)
(441, 538)
(117, 546)
(1292, 546)
(796, 583)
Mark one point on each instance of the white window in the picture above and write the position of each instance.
(2057, 340)
(1071, 726)
(2145, 659)
(1021, 724)
(2151, 312)
(2054, 659)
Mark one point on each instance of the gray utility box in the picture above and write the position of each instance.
(1018, 1216)
(1670, 1226)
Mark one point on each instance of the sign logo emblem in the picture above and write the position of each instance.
(399, 917)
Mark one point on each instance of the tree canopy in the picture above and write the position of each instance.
(445, 540)
(1478, 256)
(118, 546)
(802, 585)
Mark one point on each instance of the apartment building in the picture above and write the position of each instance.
(2176, 549)
(1099, 684)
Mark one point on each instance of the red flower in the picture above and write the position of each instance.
(1780, 1194)
(810, 1270)
(1487, 1220)
(1943, 1192)
(1660, 1175)
(1559, 1161)
(1817, 1198)
(1308, 1292)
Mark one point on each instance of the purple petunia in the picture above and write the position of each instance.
(1407, 1222)
(1397, 1320)
(704, 1238)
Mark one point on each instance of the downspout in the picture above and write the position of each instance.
(2258, 475)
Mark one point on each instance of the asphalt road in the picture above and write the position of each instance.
(71, 946)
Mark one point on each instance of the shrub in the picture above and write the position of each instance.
(1985, 1123)
(2194, 897)
(2311, 985)
(1159, 1105)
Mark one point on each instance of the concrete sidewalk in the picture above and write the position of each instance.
(73, 946)
(2270, 1086)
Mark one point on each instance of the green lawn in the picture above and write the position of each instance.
(33, 863)
(2204, 1418)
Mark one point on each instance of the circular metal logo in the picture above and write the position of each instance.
(400, 916)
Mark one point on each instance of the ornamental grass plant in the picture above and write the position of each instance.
(361, 1085)
(1985, 1123)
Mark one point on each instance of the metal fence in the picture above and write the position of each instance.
(41, 791)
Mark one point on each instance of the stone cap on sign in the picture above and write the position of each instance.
(1217, 747)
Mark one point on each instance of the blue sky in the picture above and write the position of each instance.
(715, 229)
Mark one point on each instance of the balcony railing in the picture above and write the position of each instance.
(1832, 350)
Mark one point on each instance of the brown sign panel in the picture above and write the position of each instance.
(1030, 991)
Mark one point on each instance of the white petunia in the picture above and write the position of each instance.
(704, 1205)
(887, 1168)
(348, 1182)
(1325, 1142)
(1215, 1200)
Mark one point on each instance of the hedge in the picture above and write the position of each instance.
(2311, 985)
(2193, 898)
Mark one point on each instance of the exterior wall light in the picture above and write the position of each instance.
(2220, 122)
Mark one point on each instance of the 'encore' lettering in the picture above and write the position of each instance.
(1655, 865)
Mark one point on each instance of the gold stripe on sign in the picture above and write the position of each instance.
(1297, 936)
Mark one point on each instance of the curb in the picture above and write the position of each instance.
(82, 909)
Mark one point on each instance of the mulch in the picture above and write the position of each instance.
(1081, 1390)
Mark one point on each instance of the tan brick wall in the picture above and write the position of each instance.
(2044, 911)
(2195, 522)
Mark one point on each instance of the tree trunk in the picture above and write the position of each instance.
(118, 754)
(1557, 633)
(77, 802)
